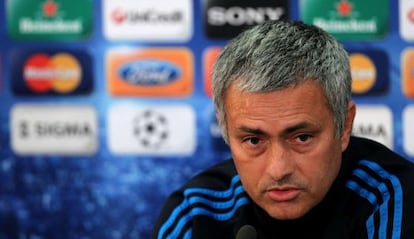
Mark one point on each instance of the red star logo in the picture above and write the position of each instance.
(344, 8)
(49, 8)
(118, 16)
(410, 15)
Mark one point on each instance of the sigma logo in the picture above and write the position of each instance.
(149, 72)
(374, 122)
(370, 130)
(226, 19)
(43, 129)
(53, 129)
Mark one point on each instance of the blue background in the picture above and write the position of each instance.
(108, 196)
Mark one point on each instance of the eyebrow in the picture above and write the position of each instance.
(288, 130)
(255, 131)
(301, 125)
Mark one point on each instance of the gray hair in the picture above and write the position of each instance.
(278, 54)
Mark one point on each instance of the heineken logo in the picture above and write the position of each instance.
(49, 19)
(348, 19)
(49, 8)
(28, 25)
(344, 8)
(352, 26)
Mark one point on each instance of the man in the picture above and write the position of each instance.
(282, 92)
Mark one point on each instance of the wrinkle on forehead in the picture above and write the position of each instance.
(290, 108)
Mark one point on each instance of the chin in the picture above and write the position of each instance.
(281, 212)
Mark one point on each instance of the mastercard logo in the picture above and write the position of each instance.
(408, 72)
(364, 73)
(60, 72)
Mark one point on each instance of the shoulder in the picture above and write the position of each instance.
(214, 186)
(218, 176)
(213, 196)
(385, 181)
(368, 154)
(377, 167)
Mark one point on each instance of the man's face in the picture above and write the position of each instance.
(284, 146)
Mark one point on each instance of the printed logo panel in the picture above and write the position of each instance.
(148, 20)
(408, 129)
(210, 56)
(407, 74)
(150, 72)
(51, 72)
(369, 71)
(406, 14)
(348, 19)
(151, 130)
(53, 130)
(226, 19)
(49, 19)
(374, 122)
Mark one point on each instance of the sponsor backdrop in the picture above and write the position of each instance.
(105, 105)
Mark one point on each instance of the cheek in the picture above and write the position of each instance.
(250, 176)
(324, 169)
(251, 172)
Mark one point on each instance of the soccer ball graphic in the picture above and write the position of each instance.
(150, 129)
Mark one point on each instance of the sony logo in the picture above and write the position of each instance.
(237, 16)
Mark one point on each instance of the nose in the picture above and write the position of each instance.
(279, 164)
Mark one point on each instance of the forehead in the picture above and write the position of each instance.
(305, 101)
(300, 93)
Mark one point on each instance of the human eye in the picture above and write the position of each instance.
(303, 138)
(252, 140)
(253, 145)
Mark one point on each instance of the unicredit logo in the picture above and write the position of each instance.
(158, 20)
(226, 19)
(120, 16)
(149, 72)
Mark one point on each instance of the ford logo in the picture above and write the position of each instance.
(149, 72)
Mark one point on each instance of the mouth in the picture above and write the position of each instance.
(283, 194)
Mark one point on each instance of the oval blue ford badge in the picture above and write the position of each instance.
(149, 72)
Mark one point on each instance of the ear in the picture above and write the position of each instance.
(221, 128)
(349, 121)
(218, 120)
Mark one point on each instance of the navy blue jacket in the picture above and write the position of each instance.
(372, 197)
